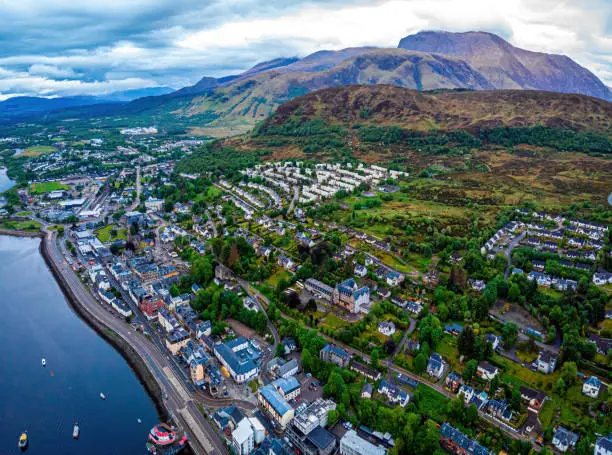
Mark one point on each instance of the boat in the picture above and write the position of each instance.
(76, 431)
(164, 440)
(43, 362)
(139, 421)
(102, 396)
(23, 441)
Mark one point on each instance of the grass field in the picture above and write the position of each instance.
(23, 214)
(431, 402)
(47, 187)
(37, 150)
(104, 234)
(33, 226)
(279, 275)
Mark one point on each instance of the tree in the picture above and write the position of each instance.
(569, 373)
(420, 363)
(332, 417)
(494, 384)
(560, 386)
(465, 342)
(515, 399)
(514, 293)
(470, 369)
(471, 415)
(509, 334)
(280, 350)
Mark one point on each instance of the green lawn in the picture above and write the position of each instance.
(47, 187)
(276, 277)
(23, 214)
(104, 234)
(431, 402)
(33, 226)
(333, 322)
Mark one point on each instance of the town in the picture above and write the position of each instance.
(303, 321)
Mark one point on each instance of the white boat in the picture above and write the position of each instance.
(102, 396)
(43, 362)
(139, 421)
(76, 431)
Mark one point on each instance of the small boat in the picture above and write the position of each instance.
(102, 396)
(76, 431)
(43, 362)
(23, 441)
(139, 421)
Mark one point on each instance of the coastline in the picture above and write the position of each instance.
(132, 358)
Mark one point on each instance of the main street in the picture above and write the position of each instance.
(179, 401)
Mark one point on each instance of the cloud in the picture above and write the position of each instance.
(64, 47)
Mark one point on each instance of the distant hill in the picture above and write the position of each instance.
(508, 67)
(446, 111)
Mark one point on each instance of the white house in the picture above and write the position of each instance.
(387, 328)
(243, 438)
(591, 387)
(360, 270)
(603, 446)
(486, 371)
(564, 439)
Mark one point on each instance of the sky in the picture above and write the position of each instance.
(66, 47)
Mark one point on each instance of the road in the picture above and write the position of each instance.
(294, 200)
(409, 330)
(138, 190)
(179, 402)
(212, 223)
(508, 252)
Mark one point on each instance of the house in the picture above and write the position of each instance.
(453, 381)
(455, 258)
(602, 278)
(333, 354)
(393, 393)
(307, 431)
(500, 409)
(478, 285)
(365, 370)
(591, 387)
(603, 344)
(467, 392)
(494, 340)
(275, 405)
(453, 329)
(286, 262)
(435, 366)
(538, 265)
(366, 391)
(176, 340)
(387, 328)
(486, 371)
(289, 344)
(350, 296)
(360, 270)
(547, 362)
(603, 446)
(564, 439)
(534, 398)
(457, 443)
(399, 302)
(353, 444)
(281, 368)
(415, 307)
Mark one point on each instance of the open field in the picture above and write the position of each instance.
(38, 150)
(21, 225)
(47, 187)
(105, 234)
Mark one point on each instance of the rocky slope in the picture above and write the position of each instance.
(508, 67)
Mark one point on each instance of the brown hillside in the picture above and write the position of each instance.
(449, 110)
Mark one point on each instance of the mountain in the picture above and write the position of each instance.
(25, 107)
(446, 111)
(508, 67)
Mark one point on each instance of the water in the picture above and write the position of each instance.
(37, 322)
(5, 182)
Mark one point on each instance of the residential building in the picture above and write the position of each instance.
(494, 340)
(387, 328)
(275, 405)
(243, 438)
(457, 443)
(603, 344)
(394, 394)
(361, 270)
(366, 391)
(281, 368)
(307, 431)
(365, 370)
(289, 388)
(603, 446)
(591, 387)
(333, 354)
(534, 398)
(486, 371)
(177, 340)
(453, 381)
(352, 444)
(547, 362)
(435, 366)
(319, 289)
(350, 296)
(564, 439)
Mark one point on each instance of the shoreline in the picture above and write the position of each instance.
(132, 358)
